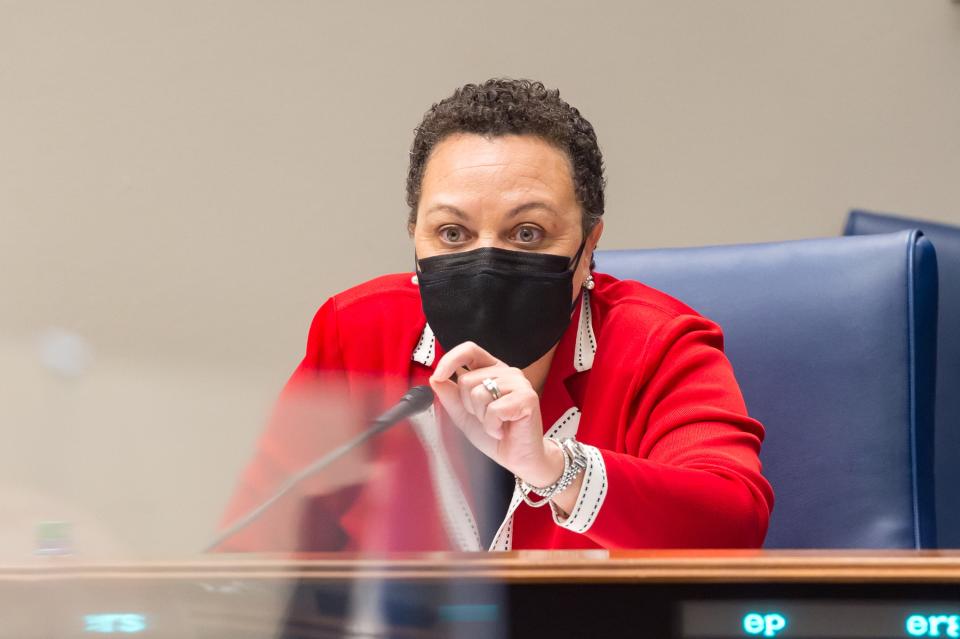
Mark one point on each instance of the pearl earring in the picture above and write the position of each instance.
(588, 283)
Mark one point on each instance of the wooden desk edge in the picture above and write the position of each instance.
(526, 567)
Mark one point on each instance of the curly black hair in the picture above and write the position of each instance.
(504, 106)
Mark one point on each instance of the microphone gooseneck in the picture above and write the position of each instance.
(416, 400)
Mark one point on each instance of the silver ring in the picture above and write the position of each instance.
(491, 385)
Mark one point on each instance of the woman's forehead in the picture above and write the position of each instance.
(513, 167)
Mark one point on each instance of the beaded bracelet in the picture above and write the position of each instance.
(572, 466)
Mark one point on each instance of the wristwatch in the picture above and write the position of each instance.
(574, 463)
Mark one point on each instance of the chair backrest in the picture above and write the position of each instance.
(832, 342)
(946, 239)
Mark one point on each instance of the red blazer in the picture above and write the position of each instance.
(638, 377)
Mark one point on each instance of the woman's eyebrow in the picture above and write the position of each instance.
(531, 205)
(449, 208)
(517, 210)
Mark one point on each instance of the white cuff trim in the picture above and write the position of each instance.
(592, 493)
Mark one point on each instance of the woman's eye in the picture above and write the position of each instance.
(528, 234)
(452, 234)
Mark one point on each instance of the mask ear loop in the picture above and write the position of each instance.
(575, 260)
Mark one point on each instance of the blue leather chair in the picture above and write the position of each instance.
(946, 239)
(833, 344)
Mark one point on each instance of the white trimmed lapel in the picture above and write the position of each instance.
(426, 349)
(586, 338)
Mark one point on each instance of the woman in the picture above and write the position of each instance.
(610, 406)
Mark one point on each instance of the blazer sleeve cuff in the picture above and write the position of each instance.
(593, 491)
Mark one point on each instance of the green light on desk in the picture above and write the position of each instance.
(110, 623)
(764, 625)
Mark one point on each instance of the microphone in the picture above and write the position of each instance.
(416, 400)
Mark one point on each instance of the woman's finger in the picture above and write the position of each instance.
(467, 354)
(510, 411)
(507, 380)
(492, 424)
(514, 407)
(481, 398)
(502, 373)
(464, 391)
(449, 396)
(514, 422)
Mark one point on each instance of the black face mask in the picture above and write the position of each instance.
(513, 304)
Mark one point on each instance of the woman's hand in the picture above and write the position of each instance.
(509, 430)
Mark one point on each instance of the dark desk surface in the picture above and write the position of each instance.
(663, 594)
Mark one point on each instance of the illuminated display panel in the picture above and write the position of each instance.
(816, 619)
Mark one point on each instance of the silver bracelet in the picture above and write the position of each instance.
(574, 463)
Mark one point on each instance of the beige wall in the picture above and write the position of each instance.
(183, 183)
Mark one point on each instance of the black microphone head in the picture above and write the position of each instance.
(419, 398)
